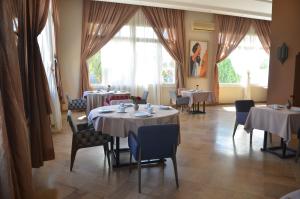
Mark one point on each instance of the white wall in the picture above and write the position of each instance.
(70, 44)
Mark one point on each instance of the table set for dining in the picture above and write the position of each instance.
(196, 97)
(278, 120)
(118, 120)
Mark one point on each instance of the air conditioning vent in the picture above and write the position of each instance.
(203, 26)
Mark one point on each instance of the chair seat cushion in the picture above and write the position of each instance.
(89, 138)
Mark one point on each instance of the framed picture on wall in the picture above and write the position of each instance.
(198, 59)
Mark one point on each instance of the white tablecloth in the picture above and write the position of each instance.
(119, 124)
(282, 122)
(197, 96)
(96, 98)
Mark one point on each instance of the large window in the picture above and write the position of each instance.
(133, 58)
(247, 64)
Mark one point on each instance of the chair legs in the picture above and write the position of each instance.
(73, 154)
(106, 153)
(139, 168)
(234, 129)
(175, 170)
(298, 151)
(130, 161)
(251, 134)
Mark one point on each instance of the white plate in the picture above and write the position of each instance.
(105, 111)
(128, 104)
(142, 114)
(162, 107)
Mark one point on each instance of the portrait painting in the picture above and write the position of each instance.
(198, 59)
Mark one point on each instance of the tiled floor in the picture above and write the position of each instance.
(210, 164)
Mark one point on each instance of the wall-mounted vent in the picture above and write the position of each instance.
(203, 26)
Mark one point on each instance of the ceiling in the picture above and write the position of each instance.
(258, 9)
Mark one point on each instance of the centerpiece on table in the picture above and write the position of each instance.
(135, 100)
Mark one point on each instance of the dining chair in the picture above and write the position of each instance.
(85, 136)
(115, 97)
(78, 104)
(178, 100)
(242, 110)
(154, 142)
(144, 98)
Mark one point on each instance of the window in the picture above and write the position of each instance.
(247, 64)
(134, 57)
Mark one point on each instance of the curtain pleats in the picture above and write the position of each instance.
(101, 21)
(229, 33)
(263, 30)
(168, 24)
(55, 15)
(15, 164)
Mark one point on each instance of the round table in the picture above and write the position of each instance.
(119, 124)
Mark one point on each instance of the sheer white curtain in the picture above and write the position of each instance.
(251, 61)
(46, 44)
(133, 59)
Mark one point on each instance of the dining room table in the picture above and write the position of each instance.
(197, 96)
(97, 98)
(117, 123)
(278, 120)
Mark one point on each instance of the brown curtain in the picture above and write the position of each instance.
(229, 32)
(36, 89)
(263, 30)
(101, 21)
(55, 16)
(168, 24)
(15, 164)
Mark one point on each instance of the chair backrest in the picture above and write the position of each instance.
(158, 141)
(71, 122)
(145, 95)
(117, 97)
(117, 102)
(76, 104)
(173, 94)
(244, 105)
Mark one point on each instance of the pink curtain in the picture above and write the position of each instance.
(15, 164)
(168, 24)
(32, 16)
(101, 21)
(55, 16)
(263, 30)
(229, 32)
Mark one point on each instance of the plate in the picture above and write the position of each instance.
(162, 107)
(105, 111)
(142, 114)
(128, 104)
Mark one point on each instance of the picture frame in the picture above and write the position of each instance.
(198, 58)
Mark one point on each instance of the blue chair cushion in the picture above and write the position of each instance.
(241, 117)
